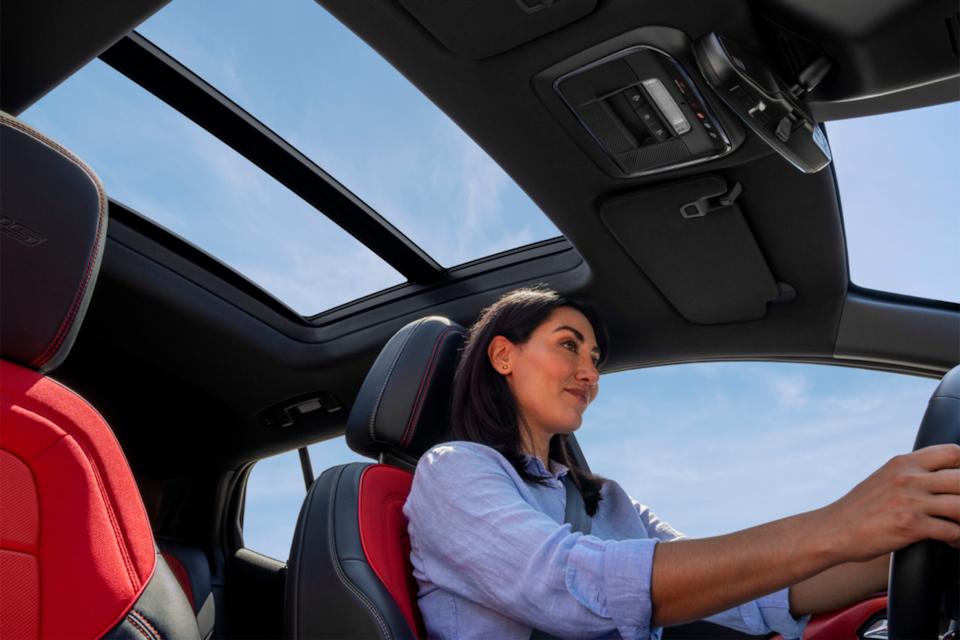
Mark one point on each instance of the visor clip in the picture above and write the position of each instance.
(703, 206)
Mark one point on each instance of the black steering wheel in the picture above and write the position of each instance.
(924, 576)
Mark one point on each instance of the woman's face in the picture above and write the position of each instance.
(554, 375)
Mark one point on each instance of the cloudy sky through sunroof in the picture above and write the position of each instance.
(711, 448)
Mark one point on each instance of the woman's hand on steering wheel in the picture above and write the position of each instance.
(912, 497)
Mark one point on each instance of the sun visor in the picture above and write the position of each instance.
(691, 239)
(482, 28)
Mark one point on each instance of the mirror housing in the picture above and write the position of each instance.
(763, 101)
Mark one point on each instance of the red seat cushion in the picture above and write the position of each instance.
(383, 534)
(842, 623)
(76, 545)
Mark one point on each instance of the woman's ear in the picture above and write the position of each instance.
(500, 351)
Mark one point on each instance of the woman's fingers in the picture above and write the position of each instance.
(913, 497)
(944, 506)
(943, 530)
(945, 481)
(938, 456)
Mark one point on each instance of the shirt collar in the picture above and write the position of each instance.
(535, 467)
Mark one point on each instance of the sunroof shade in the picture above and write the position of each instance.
(899, 180)
(307, 77)
(161, 164)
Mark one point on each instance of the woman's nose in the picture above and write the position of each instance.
(588, 373)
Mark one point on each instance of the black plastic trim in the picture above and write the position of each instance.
(143, 62)
(306, 466)
(870, 365)
(465, 271)
(875, 329)
(137, 235)
(144, 227)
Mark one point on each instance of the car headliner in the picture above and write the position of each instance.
(182, 355)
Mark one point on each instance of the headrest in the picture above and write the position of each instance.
(403, 407)
(54, 221)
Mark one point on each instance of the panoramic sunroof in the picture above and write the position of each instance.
(307, 77)
(155, 160)
(899, 181)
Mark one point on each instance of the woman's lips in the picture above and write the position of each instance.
(581, 394)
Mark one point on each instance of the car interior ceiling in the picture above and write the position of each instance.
(188, 361)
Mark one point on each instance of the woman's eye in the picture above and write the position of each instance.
(572, 346)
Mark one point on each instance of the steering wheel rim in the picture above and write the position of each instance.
(920, 572)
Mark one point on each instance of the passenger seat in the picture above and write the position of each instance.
(349, 574)
(188, 562)
(95, 572)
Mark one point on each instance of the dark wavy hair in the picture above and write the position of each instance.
(484, 409)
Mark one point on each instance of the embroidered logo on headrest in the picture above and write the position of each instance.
(20, 233)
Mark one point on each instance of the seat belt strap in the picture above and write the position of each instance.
(576, 511)
(576, 516)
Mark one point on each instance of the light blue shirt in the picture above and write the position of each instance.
(493, 558)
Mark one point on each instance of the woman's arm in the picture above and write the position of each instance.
(839, 586)
(904, 501)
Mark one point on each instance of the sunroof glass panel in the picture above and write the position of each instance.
(899, 181)
(307, 77)
(155, 160)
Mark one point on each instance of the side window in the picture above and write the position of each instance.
(714, 448)
(275, 492)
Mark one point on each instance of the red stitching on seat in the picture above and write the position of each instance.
(134, 623)
(422, 382)
(146, 622)
(101, 195)
(425, 383)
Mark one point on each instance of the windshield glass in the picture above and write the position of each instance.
(714, 448)
(899, 181)
(312, 81)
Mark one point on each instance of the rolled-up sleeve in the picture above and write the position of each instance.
(764, 615)
(761, 616)
(477, 534)
(613, 579)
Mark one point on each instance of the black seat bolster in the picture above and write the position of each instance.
(195, 561)
(332, 591)
(162, 611)
(197, 565)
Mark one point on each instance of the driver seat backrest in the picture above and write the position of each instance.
(349, 573)
(78, 557)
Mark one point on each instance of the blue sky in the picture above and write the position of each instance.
(710, 447)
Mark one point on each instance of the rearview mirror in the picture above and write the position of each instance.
(768, 105)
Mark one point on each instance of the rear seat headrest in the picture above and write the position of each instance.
(403, 407)
(54, 220)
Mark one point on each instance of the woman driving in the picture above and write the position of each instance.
(510, 539)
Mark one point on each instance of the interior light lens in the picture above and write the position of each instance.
(667, 106)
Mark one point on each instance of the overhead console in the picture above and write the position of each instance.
(632, 104)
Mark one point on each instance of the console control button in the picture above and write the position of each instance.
(659, 131)
(647, 114)
(634, 97)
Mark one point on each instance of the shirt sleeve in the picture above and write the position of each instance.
(764, 615)
(761, 616)
(475, 533)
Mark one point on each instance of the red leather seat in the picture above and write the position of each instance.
(349, 574)
(78, 556)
